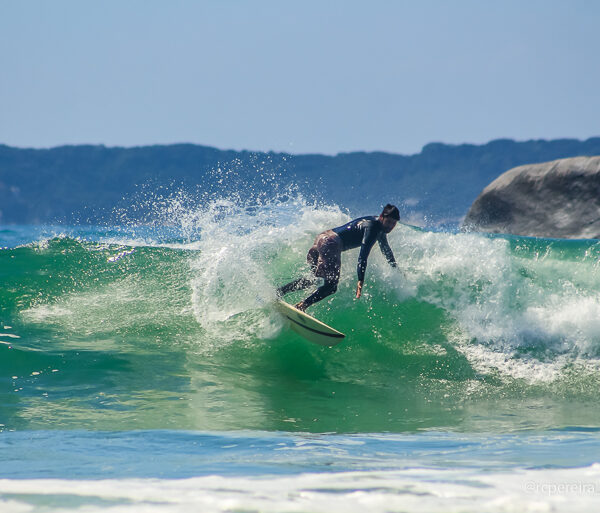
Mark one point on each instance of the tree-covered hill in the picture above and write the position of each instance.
(86, 183)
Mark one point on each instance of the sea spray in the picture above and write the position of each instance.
(138, 327)
(233, 277)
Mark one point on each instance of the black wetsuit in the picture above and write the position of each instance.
(324, 258)
(363, 232)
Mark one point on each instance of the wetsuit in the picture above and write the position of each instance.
(363, 232)
(324, 257)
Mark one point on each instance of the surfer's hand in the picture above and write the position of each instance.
(359, 289)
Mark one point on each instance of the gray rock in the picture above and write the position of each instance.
(554, 199)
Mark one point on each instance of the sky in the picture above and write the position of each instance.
(309, 76)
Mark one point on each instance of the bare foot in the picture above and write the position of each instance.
(300, 306)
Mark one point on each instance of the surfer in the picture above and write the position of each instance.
(325, 256)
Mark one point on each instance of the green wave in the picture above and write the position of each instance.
(477, 332)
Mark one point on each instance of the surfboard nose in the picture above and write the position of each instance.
(308, 327)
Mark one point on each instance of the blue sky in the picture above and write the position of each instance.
(297, 76)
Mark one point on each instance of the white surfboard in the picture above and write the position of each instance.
(308, 327)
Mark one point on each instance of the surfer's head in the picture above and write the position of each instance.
(389, 217)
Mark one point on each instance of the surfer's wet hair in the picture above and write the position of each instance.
(391, 211)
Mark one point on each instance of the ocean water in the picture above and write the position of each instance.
(144, 369)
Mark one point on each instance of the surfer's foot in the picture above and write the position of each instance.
(300, 306)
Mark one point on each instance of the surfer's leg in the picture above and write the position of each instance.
(312, 258)
(328, 268)
(328, 288)
(299, 284)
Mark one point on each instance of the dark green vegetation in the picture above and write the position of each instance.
(87, 183)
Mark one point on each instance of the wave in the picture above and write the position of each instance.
(186, 316)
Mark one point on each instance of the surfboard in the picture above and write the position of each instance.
(308, 327)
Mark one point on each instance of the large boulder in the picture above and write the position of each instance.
(554, 199)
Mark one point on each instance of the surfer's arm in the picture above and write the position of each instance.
(386, 250)
(369, 238)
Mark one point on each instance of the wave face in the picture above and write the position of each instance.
(173, 327)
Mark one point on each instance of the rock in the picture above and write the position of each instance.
(558, 199)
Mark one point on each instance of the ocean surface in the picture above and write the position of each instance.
(144, 369)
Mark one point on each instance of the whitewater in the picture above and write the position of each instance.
(144, 368)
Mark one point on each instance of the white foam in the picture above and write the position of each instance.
(233, 276)
(504, 304)
(418, 489)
